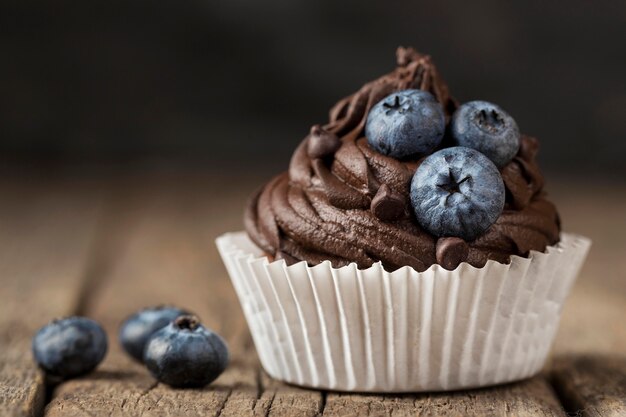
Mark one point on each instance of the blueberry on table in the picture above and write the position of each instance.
(406, 123)
(457, 192)
(487, 128)
(186, 354)
(138, 328)
(69, 347)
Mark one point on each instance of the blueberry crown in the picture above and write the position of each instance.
(457, 189)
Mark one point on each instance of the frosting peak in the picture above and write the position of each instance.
(347, 117)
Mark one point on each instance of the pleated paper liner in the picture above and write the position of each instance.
(370, 330)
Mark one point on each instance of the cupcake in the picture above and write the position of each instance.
(409, 247)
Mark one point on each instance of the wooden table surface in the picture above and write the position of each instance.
(106, 245)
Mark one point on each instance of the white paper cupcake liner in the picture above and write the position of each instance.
(371, 330)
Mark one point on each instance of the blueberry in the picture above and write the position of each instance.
(186, 354)
(457, 192)
(406, 123)
(69, 347)
(487, 128)
(137, 329)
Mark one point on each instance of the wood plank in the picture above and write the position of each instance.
(161, 250)
(533, 397)
(47, 229)
(592, 385)
(278, 399)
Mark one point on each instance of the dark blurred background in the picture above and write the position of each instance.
(238, 83)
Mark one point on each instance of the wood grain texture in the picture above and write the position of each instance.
(525, 399)
(278, 399)
(591, 385)
(47, 228)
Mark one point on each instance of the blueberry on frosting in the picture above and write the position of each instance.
(405, 123)
(487, 128)
(457, 192)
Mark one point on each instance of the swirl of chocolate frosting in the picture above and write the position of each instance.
(344, 202)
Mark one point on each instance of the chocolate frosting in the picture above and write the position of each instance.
(344, 202)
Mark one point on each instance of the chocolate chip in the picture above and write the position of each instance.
(387, 205)
(322, 143)
(451, 251)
